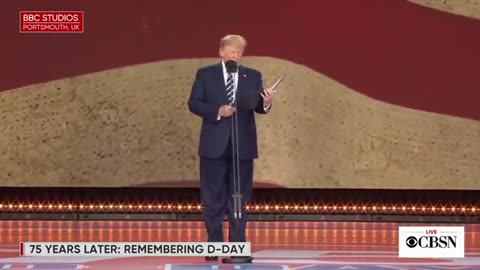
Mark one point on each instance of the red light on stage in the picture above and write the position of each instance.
(255, 208)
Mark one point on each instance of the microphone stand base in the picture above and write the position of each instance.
(237, 260)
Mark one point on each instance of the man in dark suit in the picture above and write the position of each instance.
(211, 98)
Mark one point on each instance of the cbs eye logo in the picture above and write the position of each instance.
(411, 242)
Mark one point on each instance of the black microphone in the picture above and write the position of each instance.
(231, 66)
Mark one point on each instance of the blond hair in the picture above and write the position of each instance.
(235, 40)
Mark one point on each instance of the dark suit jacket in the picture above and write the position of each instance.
(208, 95)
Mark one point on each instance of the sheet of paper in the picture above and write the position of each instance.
(274, 86)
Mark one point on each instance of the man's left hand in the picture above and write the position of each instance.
(267, 96)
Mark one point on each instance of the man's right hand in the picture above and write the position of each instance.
(226, 111)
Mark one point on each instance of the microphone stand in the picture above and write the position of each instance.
(237, 195)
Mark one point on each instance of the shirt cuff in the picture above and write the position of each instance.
(266, 107)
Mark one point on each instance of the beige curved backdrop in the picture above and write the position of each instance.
(467, 8)
(131, 126)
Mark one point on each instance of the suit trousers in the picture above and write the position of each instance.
(216, 190)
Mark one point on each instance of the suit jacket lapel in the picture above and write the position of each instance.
(219, 76)
(220, 81)
(241, 78)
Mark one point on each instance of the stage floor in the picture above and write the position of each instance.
(275, 245)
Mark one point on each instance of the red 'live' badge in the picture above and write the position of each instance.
(51, 21)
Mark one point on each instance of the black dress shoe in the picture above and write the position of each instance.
(211, 258)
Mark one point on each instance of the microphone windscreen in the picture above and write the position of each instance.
(231, 66)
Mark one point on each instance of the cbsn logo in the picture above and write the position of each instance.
(51, 22)
(432, 241)
(427, 242)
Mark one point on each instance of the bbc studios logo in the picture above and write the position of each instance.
(51, 21)
(431, 242)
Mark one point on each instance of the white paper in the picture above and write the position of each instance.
(274, 86)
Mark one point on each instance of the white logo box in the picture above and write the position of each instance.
(431, 242)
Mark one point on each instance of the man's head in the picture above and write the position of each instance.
(232, 47)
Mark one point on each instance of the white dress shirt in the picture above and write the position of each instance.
(235, 81)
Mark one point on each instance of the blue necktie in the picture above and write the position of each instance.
(230, 89)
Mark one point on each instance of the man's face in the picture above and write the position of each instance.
(231, 52)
